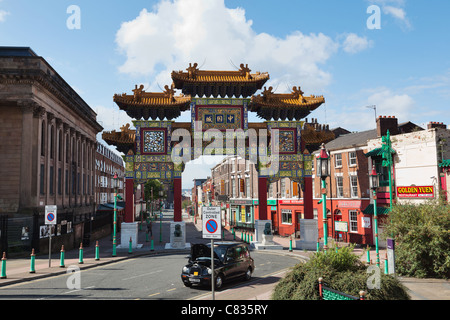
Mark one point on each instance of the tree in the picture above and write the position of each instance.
(422, 239)
(154, 185)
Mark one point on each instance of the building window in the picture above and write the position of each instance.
(354, 186)
(60, 146)
(353, 220)
(41, 180)
(338, 160)
(339, 187)
(233, 187)
(283, 188)
(52, 141)
(43, 138)
(59, 182)
(67, 182)
(352, 158)
(51, 180)
(286, 216)
(247, 188)
(315, 213)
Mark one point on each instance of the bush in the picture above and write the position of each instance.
(342, 271)
(422, 239)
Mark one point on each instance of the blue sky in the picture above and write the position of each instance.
(324, 46)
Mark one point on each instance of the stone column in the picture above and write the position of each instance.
(129, 202)
(177, 199)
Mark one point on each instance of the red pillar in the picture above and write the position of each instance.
(177, 199)
(129, 200)
(308, 198)
(262, 198)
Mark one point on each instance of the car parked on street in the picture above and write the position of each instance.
(232, 260)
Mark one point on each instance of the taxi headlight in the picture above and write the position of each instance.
(185, 269)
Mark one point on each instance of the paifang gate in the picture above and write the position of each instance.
(219, 101)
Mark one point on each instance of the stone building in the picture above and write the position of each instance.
(48, 145)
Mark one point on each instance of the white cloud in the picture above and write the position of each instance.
(391, 104)
(354, 44)
(397, 13)
(177, 33)
(3, 15)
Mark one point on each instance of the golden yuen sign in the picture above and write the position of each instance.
(415, 192)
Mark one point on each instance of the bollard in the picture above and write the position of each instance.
(386, 267)
(242, 235)
(3, 273)
(234, 234)
(80, 261)
(368, 255)
(33, 262)
(146, 236)
(151, 245)
(130, 246)
(97, 251)
(290, 244)
(251, 237)
(62, 256)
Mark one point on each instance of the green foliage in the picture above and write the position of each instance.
(342, 271)
(154, 184)
(422, 239)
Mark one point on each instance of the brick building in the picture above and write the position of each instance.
(349, 217)
(48, 145)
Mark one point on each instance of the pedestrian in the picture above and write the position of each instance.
(149, 228)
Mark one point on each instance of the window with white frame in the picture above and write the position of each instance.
(286, 216)
(352, 158)
(354, 186)
(353, 216)
(338, 160)
(315, 213)
(283, 188)
(339, 187)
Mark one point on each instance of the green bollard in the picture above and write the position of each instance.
(3, 273)
(61, 259)
(130, 247)
(251, 237)
(290, 244)
(80, 261)
(368, 255)
(152, 248)
(33, 262)
(97, 251)
(386, 267)
(234, 234)
(242, 235)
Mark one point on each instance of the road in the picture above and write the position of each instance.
(145, 277)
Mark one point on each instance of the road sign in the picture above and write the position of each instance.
(211, 223)
(50, 214)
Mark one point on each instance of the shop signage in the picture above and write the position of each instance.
(349, 204)
(415, 192)
(290, 201)
(341, 226)
(242, 202)
(365, 222)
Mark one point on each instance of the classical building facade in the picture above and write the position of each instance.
(47, 141)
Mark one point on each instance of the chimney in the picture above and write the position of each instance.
(439, 125)
(385, 123)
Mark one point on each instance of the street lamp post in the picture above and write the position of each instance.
(374, 183)
(323, 168)
(161, 194)
(115, 182)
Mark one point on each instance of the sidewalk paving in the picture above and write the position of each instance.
(18, 269)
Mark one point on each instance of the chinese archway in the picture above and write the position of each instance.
(219, 102)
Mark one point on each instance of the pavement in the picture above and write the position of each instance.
(18, 269)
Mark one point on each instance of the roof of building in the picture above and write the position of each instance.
(356, 139)
(17, 52)
(153, 105)
(201, 83)
(294, 105)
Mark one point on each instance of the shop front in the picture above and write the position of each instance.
(289, 215)
(242, 214)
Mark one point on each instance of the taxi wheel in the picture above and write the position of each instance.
(218, 281)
